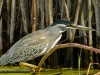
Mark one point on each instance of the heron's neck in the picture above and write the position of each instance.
(53, 40)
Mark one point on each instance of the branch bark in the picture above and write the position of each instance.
(63, 46)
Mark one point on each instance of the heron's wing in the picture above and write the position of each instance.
(27, 39)
(30, 51)
(27, 48)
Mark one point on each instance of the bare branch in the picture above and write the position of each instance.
(63, 46)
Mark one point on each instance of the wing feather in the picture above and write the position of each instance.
(29, 47)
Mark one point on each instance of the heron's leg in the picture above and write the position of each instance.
(27, 64)
(34, 67)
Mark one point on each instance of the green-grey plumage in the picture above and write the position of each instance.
(29, 47)
(38, 43)
(30, 51)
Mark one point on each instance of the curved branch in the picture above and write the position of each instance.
(63, 46)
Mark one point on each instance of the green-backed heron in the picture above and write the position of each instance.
(38, 43)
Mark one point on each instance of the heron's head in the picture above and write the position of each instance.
(63, 25)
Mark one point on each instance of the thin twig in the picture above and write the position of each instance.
(90, 67)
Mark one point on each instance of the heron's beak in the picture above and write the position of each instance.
(74, 26)
(83, 28)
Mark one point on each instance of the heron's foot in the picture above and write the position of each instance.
(34, 68)
(37, 70)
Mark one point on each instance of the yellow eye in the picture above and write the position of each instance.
(71, 25)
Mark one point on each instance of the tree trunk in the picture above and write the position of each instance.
(97, 18)
(34, 15)
(24, 17)
(12, 27)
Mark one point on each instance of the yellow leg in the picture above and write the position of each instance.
(34, 67)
